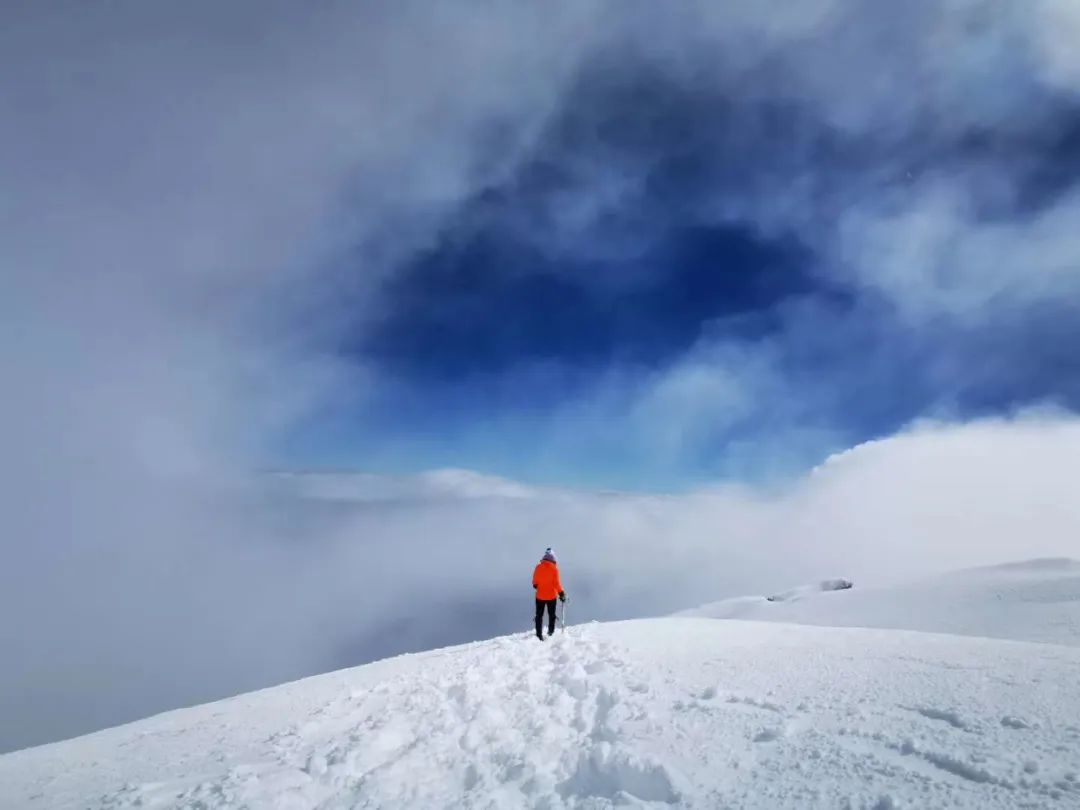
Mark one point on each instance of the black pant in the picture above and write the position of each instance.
(540, 605)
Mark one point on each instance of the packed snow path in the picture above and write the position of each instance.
(666, 712)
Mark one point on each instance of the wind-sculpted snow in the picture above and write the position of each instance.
(1035, 600)
(691, 713)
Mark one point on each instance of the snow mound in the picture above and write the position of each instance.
(689, 713)
(1035, 600)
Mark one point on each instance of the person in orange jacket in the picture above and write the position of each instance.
(548, 588)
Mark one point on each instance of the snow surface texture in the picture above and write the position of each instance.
(681, 712)
(1038, 600)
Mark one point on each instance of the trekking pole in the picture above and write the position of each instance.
(562, 619)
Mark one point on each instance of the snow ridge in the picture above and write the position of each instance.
(1035, 600)
(692, 713)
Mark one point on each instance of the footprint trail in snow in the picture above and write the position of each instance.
(654, 713)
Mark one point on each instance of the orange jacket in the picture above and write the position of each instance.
(546, 580)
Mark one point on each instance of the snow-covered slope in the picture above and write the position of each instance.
(1038, 600)
(684, 711)
(677, 712)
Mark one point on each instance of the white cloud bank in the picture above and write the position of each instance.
(448, 556)
(936, 497)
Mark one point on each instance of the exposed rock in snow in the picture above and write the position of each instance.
(824, 585)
